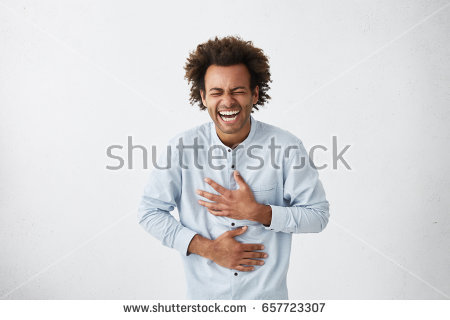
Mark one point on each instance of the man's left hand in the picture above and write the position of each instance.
(239, 204)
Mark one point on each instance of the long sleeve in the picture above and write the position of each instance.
(306, 208)
(160, 196)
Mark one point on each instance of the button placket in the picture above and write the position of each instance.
(233, 158)
(232, 181)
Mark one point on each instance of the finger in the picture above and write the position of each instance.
(209, 196)
(240, 181)
(210, 205)
(253, 255)
(219, 213)
(243, 268)
(237, 231)
(252, 246)
(251, 262)
(216, 186)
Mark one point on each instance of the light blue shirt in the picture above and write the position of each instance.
(280, 176)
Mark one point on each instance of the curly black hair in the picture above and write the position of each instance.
(227, 51)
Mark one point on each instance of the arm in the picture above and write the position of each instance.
(160, 196)
(307, 209)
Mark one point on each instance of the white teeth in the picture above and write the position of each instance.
(228, 113)
(228, 119)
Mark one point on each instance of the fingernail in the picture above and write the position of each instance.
(237, 172)
(262, 247)
(265, 255)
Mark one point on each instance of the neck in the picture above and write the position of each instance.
(232, 140)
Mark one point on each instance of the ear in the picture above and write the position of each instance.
(255, 94)
(202, 95)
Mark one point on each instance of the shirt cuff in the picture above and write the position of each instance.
(279, 219)
(183, 240)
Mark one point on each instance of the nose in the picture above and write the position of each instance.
(228, 100)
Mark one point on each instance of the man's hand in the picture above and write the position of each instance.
(228, 252)
(237, 204)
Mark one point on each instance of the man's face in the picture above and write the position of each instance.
(228, 98)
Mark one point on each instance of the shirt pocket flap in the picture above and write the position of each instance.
(263, 187)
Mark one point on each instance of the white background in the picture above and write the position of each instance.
(79, 76)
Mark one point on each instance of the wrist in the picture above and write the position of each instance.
(201, 246)
(263, 214)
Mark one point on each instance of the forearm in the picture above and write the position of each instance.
(164, 227)
(300, 219)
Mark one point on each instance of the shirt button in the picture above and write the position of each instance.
(229, 150)
(232, 224)
(236, 274)
(232, 166)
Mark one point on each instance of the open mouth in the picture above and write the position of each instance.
(229, 116)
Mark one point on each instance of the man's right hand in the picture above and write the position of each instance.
(228, 252)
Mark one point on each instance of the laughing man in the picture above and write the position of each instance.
(242, 187)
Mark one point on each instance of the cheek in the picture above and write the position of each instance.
(247, 105)
(248, 101)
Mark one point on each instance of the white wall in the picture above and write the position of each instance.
(78, 76)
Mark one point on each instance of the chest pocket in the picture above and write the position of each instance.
(265, 193)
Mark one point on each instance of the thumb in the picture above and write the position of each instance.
(237, 231)
(240, 181)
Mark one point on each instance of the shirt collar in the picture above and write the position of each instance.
(216, 140)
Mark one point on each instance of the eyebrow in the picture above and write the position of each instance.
(234, 89)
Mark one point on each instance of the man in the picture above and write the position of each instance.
(242, 187)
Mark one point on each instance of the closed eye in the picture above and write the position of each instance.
(215, 94)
